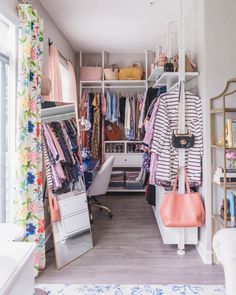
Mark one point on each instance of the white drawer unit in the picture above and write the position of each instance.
(73, 204)
(76, 223)
(74, 213)
(126, 153)
(126, 160)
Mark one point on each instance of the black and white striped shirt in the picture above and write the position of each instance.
(166, 122)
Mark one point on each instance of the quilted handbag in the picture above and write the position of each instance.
(182, 210)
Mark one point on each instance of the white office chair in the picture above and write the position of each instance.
(100, 185)
(224, 246)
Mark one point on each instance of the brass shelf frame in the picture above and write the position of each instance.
(216, 218)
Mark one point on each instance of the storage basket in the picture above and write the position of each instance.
(131, 73)
(90, 73)
(112, 73)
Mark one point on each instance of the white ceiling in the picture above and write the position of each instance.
(113, 25)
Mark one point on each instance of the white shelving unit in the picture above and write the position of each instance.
(124, 159)
(171, 79)
(156, 74)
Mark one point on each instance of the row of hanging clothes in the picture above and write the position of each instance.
(161, 159)
(92, 114)
(61, 155)
(114, 107)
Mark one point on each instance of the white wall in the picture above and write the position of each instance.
(8, 8)
(212, 43)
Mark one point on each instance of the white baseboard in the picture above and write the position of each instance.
(205, 254)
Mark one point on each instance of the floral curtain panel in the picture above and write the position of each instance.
(28, 202)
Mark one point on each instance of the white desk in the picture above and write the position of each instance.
(16, 268)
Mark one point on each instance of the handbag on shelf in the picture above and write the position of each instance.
(182, 210)
(112, 73)
(182, 140)
(189, 66)
(131, 73)
(169, 67)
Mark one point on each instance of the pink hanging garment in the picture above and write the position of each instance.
(55, 74)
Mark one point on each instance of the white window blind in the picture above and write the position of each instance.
(7, 115)
(4, 123)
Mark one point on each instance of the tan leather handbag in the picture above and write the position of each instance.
(182, 210)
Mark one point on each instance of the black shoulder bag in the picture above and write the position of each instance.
(179, 140)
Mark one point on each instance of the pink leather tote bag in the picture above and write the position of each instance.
(182, 210)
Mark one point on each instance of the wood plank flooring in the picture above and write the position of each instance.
(128, 249)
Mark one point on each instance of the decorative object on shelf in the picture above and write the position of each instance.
(112, 73)
(231, 157)
(182, 210)
(230, 174)
(90, 73)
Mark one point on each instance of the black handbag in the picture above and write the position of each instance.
(182, 140)
(169, 67)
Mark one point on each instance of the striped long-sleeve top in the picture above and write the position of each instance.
(166, 122)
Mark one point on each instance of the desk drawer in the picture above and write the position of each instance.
(127, 160)
(76, 223)
(73, 205)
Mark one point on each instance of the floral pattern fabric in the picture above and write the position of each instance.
(133, 289)
(28, 202)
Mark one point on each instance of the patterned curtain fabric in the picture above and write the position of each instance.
(28, 203)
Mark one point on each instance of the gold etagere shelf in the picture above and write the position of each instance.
(217, 220)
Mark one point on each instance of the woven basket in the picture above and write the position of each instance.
(90, 73)
(112, 73)
(131, 73)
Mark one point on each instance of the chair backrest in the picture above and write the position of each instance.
(102, 179)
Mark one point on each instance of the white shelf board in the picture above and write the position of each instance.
(172, 78)
(156, 74)
(59, 110)
(109, 82)
(91, 82)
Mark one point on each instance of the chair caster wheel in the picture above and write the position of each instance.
(110, 215)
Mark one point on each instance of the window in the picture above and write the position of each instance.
(7, 116)
(65, 80)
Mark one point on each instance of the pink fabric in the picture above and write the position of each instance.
(149, 132)
(55, 74)
(56, 144)
(153, 165)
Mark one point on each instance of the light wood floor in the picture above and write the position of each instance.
(128, 249)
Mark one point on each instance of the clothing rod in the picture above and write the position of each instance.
(50, 42)
(124, 87)
(62, 116)
(91, 87)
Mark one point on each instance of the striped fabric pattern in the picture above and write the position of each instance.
(166, 122)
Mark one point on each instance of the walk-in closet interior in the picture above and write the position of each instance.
(117, 165)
